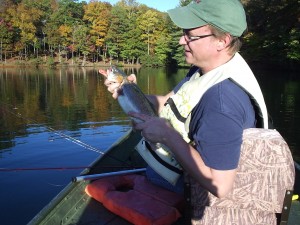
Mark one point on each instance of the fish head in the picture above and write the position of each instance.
(116, 75)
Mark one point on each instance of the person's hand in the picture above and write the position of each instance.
(153, 129)
(114, 86)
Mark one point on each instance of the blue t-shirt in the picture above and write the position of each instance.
(217, 123)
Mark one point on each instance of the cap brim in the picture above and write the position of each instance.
(184, 18)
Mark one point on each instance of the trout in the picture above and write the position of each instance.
(132, 99)
(130, 96)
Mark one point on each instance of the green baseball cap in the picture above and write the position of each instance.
(227, 15)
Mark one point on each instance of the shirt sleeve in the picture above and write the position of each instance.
(218, 122)
(218, 141)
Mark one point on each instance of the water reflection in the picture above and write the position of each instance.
(290, 115)
(74, 98)
(71, 98)
(61, 99)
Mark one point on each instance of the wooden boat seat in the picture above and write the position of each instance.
(137, 200)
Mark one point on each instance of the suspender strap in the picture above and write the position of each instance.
(165, 164)
(188, 211)
(175, 110)
(286, 207)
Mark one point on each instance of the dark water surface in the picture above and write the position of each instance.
(53, 123)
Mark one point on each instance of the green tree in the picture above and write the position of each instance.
(6, 38)
(60, 25)
(148, 23)
(119, 25)
(177, 51)
(293, 45)
(273, 36)
(162, 49)
(132, 47)
(176, 55)
(80, 43)
(68, 12)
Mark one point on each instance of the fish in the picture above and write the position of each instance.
(130, 96)
(132, 99)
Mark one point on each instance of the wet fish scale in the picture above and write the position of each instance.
(131, 98)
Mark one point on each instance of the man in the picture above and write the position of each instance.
(212, 98)
(203, 121)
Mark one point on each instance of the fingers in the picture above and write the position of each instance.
(140, 126)
(132, 78)
(141, 122)
(110, 83)
(149, 126)
(140, 116)
(115, 93)
(112, 87)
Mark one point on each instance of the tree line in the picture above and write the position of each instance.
(69, 31)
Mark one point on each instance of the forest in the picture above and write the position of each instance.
(72, 32)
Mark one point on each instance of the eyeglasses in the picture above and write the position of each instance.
(190, 38)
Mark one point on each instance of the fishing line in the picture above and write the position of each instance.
(65, 136)
(43, 168)
(56, 185)
(57, 168)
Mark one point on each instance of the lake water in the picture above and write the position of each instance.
(54, 123)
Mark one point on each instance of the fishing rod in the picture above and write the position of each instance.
(65, 136)
(109, 174)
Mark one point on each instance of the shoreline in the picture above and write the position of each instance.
(68, 64)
